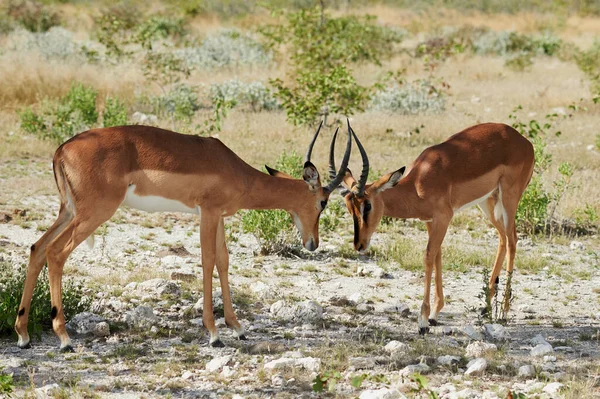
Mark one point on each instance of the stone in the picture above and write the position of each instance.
(496, 332)
(383, 393)
(538, 339)
(549, 367)
(280, 364)
(309, 363)
(478, 349)
(181, 276)
(362, 363)
(400, 308)
(476, 367)
(577, 245)
(356, 298)
(527, 371)
(549, 358)
(217, 362)
(155, 288)
(395, 346)
(447, 330)
(541, 349)
(47, 391)
(227, 372)
(420, 368)
(142, 316)
(278, 381)
(470, 332)
(144, 119)
(300, 313)
(187, 375)
(553, 388)
(448, 360)
(86, 323)
(525, 308)
(364, 308)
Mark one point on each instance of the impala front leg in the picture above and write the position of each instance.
(209, 223)
(223, 269)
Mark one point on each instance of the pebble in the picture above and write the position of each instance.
(476, 367)
(383, 393)
(497, 332)
(527, 371)
(448, 360)
(470, 332)
(278, 381)
(396, 346)
(421, 368)
(541, 349)
(217, 362)
(478, 349)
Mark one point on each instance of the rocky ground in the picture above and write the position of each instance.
(344, 321)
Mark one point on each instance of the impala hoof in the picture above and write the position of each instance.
(25, 346)
(67, 349)
(433, 322)
(242, 337)
(217, 344)
(423, 330)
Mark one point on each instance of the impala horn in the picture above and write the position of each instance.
(336, 179)
(360, 190)
(312, 144)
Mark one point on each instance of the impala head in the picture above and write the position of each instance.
(363, 200)
(308, 204)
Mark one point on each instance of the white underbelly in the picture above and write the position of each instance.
(153, 203)
(475, 202)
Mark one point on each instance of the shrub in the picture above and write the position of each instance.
(32, 15)
(6, 384)
(255, 94)
(273, 228)
(181, 102)
(158, 27)
(589, 63)
(11, 287)
(56, 43)
(227, 48)
(410, 98)
(73, 113)
(115, 113)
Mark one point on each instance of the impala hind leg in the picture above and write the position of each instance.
(223, 269)
(438, 302)
(492, 209)
(510, 206)
(37, 260)
(437, 231)
(209, 225)
(57, 253)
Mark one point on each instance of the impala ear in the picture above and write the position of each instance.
(311, 176)
(387, 181)
(276, 173)
(348, 182)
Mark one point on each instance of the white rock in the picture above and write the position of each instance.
(383, 393)
(309, 363)
(102, 329)
(395, 346)
(542, 349)
(448, 360)
(553, 388)
(303, 312)
(478, 349)
(217, 362)
(142, 316)
(470, 332)
(400, 308)
(187, 375)
(421, 368)
(590, 147)
(549, 358)
(476, 367)
(466, 393)
(538, 339)
(227, 372)
(527, 371)
(158, 287)
(47, 391)
(356, 298)
(525, 308)
(86, 323)
(278, 381)
(497, 332)
(280, 364)
(576, 245)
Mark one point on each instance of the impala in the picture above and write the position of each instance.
(488, 165)
(156, 170)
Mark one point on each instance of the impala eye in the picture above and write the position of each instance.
(323, 204)
(367, 208)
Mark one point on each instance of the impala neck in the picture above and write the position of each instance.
(403, 201)
(264, 191)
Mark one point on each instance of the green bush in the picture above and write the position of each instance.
(6, 384)
(32, 15)
(59, 121)
(181, 102)
(11, 288)
(115, 113)
(273, 228)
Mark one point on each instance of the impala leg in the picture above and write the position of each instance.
(511, 239)
(57, 253)
(488, 210)
(37, 260)
(209, 224)
(439, 290)
(437, 231)
(223, 269)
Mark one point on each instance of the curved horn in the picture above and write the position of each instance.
(332, 170)
(312, 144)
(340, 175)
(365, 170)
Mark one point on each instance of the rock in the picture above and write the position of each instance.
(478, 349)
(447, 330)
(549, 367)
(181, 276)
(258, 287)
(142, 316)
(538, 339)
(476, 367)
(307, 363)
(278, 381)
(541, 349)
(86, 323)
(217, 302)
(187, 375)
(154, 288)
(421, 368)
(356, 298)
(448, 360)
(549, 359)
(383, 393)
(47, 391)
(527, 371)
(470, 332)
(553, 388)
(497, 332)
(577, 245)
(362, 363)
(364, 308)
(227, 372)
(395, 346)
(217, 362)
(373, 271)
(144, 119)
(303, 312)
(525, 308)
(400, 308)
